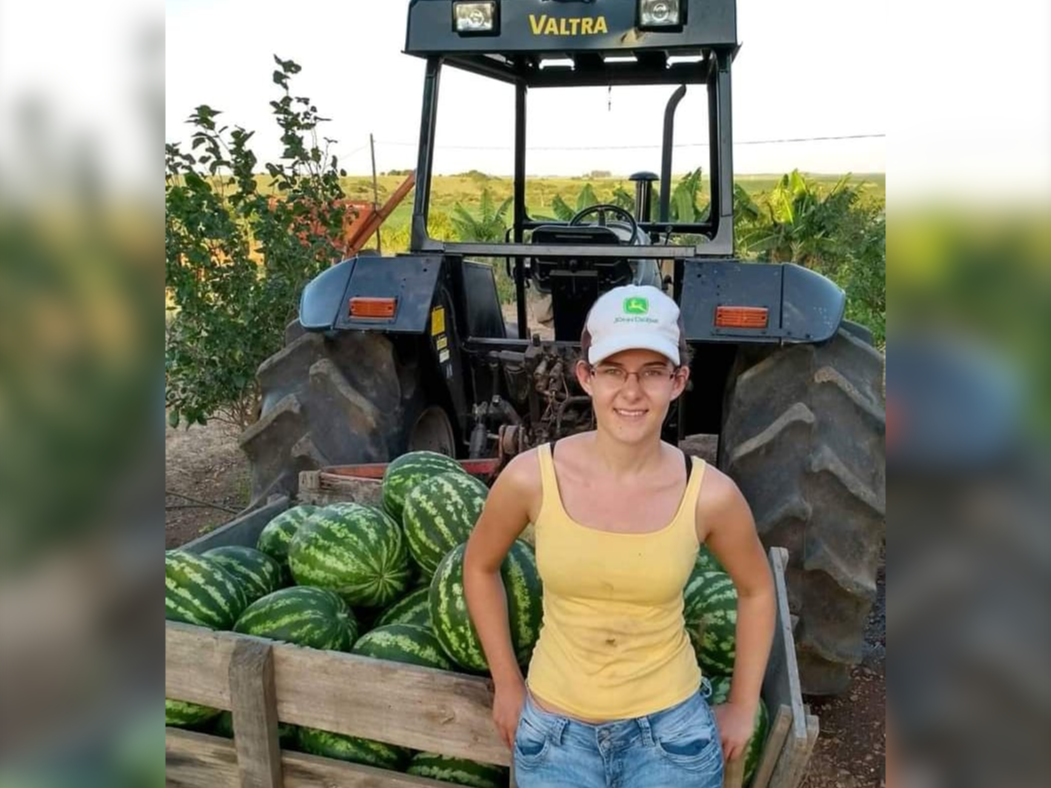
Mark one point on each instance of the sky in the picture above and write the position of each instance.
(810, 68)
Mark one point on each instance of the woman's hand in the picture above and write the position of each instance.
(508, 700)
(735, 722)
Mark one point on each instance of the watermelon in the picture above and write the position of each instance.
(277, 534)
(224, 726)
(197, 590)
(403, 643)
(458, 771)
(353, 749)
(439, 514)
(754, 748)
(187, 715)
(312, 617)
(355, 550)
(258, 573)
(407, 471)
(451, 621)
(707, 561)
(413, 608)
(710, 613)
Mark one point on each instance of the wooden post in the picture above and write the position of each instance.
(254, 703)
(733, 773)
(375, 192)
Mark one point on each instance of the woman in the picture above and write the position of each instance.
(614, 691)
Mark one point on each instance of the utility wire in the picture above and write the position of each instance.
(781, 141)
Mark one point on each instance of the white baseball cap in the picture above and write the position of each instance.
(632, 317)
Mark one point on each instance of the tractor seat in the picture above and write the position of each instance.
(545, 266)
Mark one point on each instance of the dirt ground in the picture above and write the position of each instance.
(206, 464)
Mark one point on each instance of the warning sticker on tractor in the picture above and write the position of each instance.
(437, 321)
(443, 356)
(441, 342)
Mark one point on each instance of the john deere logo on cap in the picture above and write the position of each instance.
(636, 306)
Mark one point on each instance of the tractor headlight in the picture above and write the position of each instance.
(660, 13)
(475, 17)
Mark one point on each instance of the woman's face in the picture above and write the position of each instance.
(631, 392)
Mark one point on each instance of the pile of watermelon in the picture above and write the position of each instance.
(710, 612)
(387, 582)
(380, 581)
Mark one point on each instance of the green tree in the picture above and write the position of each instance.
(236, 259)
(805, 226)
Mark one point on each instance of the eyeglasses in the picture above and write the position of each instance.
(650, 378)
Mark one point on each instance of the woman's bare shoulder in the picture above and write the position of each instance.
(719, 493)
(522, 472)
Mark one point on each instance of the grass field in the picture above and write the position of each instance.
(449, 190)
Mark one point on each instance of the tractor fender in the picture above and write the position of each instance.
(410, 280)
(802, 306)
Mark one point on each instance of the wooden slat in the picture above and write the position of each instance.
(803, 760)
(733, 773)
(781, 684)
(197, 760)
(425, 709)
(255, 715)
(421, 708)
(242, 531)
(197, 664)
(775, 742)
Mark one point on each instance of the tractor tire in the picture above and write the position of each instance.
(336, 401)
(803, 438)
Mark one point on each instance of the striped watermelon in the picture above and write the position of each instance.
(224, 726)
(754, 748)
(710, 613)
(458, 771)
(258, 573)
(187, 715)
(355, 550)
(312, 617)
(408, 643)
(197, 590)
(277, 535)
(413, 608)
(708, 562)
(452, 623)
(353, 749)
(439, 514)
(407, 471)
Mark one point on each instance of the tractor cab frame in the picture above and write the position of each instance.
(400, 353)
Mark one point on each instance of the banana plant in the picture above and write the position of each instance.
(490, 225)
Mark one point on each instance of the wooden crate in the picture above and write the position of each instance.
(421, 708)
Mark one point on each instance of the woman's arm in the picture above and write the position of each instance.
(733, 540)
(504, 517)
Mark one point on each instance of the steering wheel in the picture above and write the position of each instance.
(601, 209)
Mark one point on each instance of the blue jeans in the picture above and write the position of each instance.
(675, 748)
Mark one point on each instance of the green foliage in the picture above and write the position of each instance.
(832, 231)
(624, 199)
(236, 258)
(563, 212)
(864, 277)
(490, 225)
(587, 197)
(683, 203)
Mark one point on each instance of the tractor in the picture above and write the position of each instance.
(412, 351)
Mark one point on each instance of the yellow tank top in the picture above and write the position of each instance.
(613, 643)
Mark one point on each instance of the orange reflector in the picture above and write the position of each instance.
(741, 316)
(372, 308)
